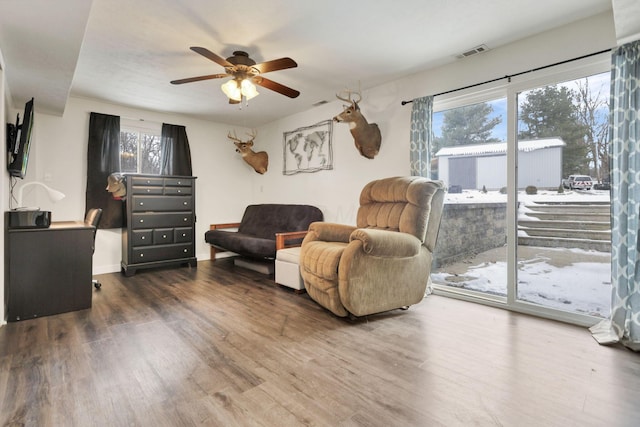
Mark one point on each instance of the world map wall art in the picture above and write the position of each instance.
(308, 149)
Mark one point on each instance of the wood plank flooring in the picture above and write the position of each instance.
(224, 346)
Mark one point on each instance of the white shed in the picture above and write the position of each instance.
(485, 165)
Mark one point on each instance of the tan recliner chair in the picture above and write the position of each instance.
(382, 264)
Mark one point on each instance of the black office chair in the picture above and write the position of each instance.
(93, 219)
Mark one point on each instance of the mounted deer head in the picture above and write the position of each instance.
(366, 136)
(258, 161)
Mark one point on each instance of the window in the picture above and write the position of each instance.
(140, 149)
(564, 228)
(470, 152)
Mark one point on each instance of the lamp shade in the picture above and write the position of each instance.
(248, 89)
(232, 90)
(54, 195)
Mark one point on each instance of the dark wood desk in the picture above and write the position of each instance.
(48, 270)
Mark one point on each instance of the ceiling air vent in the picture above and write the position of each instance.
(475, 50)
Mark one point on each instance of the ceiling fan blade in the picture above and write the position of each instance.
(212, 56)
(276, 87)
(275, 65)
(199, 78)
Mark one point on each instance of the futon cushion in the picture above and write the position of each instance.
(242, 244)
(267, 219)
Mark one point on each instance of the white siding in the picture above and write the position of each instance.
(542, 168)
(492, 172)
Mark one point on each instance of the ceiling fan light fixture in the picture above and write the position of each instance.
(248, 89)
(232, 90)
(237, 89)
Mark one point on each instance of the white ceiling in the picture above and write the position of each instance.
(126, 52)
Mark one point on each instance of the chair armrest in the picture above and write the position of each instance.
(283, 238)
(212, 249)
(224, 225)
(386, 243)
(330, 232)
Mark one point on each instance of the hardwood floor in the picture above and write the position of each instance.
(220, 346)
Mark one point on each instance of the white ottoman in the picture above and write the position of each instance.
(288, 269)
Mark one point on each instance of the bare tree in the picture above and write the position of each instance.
(593, 111)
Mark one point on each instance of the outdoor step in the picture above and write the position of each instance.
(574, 216)
(552, 242)
(575, 225)
(568, 233)
(570, 209)
(574, 203)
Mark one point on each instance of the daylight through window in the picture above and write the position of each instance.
(526, 222)
(140, 150)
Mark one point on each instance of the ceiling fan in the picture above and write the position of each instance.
(244, 71)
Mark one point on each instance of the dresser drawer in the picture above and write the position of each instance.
(177, 191)
(161, 203)
(161, 253)
(147, 190)
(161, 220)
(145, 181)
(178, 182)
(141, 237)
(183, 235)
(162, 236)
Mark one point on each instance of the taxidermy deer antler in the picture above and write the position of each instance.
(258, 161)
(366, 136)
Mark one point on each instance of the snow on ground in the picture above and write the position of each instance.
(579, 287)
(475, 196)
(581, 283)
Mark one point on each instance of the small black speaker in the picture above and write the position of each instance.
(29, 219)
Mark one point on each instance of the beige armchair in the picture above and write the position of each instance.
(382, 264)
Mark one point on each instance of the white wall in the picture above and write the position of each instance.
(225, 184)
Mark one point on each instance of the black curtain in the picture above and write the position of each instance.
(103, 159)
(176, 155)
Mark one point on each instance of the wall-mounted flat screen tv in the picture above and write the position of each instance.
(19, 141)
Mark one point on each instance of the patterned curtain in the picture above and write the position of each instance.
(624, 324)
(421, 133)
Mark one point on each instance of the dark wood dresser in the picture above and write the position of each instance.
(160, 227)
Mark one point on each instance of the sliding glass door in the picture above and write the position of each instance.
(526, 222)
(470, 153)
(563, 222)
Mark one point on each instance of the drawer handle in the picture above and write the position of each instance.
(141, 255)
(143, 237)
(184, 234)
(185, 251)
(141, 221)
(185, 203)
(179, 191)
(186, 219)
(141, 203)
(148, 190)
(164, 236)
(179, 182)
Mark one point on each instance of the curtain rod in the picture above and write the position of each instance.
(509, 76)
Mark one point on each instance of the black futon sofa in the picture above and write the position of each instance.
(264, 229)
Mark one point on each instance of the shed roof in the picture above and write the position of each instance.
(499, 147)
